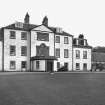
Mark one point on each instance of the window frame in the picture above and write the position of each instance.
(66, 40)
(78, 68)
(24, 34)
(25, 64)
(85, 65)
(58, 65)
(24, 49)
(12, 50)
(14, 62)
(77, 53)
(56, 52)
(66, 51)
(57, 39)
(12, 34)
(84, 54)
(42, 34)
(37, 64)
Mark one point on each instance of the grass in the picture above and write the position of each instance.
(58, 89)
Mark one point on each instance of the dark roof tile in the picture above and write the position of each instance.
(28, 27)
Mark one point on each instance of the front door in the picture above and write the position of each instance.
(49, 66)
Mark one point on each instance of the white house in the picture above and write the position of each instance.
(29, 47)
(81, 54)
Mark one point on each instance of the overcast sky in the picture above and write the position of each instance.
(74, 16)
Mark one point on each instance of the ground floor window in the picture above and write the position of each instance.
(58, 65)
(85, 66)
(77, 66)
(12, 65)
(66, 66)
(37, 64)
(23, 64)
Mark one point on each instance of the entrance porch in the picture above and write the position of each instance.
(43, 63)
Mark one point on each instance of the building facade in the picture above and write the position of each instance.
(29, 47)
(81, 54)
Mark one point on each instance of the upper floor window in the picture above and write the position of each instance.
(24, 35)
(77, 54)
(66, 53)
(57, 52)
(81, 41)
(66, 40)
(84, 54)
(12, 50)
(42, 36)
(12, 35)
(23, 51)
(57, 39)
(12, 65)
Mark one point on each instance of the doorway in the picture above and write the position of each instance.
(49, 65)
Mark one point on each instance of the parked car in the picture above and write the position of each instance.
(63, 68)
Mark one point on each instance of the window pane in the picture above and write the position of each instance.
(81, 41)
(58, 53)
(12, 50)
(77, 54)
(84, 54)
(42, 36)
(66, 41)
(24, 35)
(66, 66)
(23, 64)
(23, 51)
(12, 65)
(58, 65)
(12, 35)
(77, 66)
(66, 54)
(57, 39)
(85, 66)
(37, 65)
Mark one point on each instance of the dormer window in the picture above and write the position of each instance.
(19, 25)
(42, 36)
(58, 30)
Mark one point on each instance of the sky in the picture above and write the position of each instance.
(73, 16)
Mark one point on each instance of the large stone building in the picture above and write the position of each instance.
(29, 47)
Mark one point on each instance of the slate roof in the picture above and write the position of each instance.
(28, 27)
(82, 46)
(98, 57)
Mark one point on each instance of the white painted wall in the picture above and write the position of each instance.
(18, 43)
(0, 55)
(81, 60)
(63, 46)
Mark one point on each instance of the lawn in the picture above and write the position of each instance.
(46, 89)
